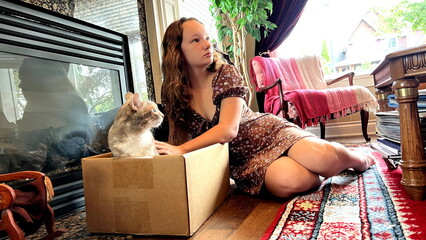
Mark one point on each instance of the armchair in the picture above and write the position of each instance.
(25, 207)
(294, 88)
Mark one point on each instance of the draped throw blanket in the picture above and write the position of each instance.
(305, 90)
(314, 106)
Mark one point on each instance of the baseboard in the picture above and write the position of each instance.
(344, 129)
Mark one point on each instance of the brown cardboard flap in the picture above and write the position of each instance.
(208, 183)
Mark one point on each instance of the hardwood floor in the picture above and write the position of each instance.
(243, 217)
(240, 217)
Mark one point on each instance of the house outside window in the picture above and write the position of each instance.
(350, 32)
(392, 42)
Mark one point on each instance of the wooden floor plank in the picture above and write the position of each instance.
(228, 217)
(256, 224)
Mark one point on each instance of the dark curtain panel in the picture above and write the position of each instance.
(285, 15)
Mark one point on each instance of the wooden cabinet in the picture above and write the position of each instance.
(400, 72)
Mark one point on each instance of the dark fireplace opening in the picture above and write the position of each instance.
(61, 83)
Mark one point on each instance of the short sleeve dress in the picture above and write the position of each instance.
(262, 138)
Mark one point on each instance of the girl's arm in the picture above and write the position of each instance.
(223, 132)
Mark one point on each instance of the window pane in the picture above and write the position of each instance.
(200, 10)
(121, 16)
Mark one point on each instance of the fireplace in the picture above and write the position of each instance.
(61, 83)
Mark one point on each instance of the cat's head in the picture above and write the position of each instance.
(141, 113)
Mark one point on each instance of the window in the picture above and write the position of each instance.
(120, 16)
(200, 10)
(392, 42)
(346, 34)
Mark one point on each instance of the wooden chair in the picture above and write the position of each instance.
(25, 207)
(285, 88)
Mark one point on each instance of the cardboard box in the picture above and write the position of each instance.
(159, 195)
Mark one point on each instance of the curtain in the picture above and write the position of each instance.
(285, 15)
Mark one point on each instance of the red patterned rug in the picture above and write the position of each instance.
(371, 205)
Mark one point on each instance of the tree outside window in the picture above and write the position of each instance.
(356, 35)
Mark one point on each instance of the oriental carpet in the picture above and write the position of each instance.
(371, 205)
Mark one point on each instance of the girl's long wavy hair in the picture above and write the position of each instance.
(175, 95)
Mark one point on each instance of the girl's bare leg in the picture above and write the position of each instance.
(285, 178)
(308, 161)
(327, 158)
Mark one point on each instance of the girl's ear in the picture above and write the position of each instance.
(135, 101)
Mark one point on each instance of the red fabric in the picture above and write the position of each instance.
(315, 106)
(273, 69)
(309, 105)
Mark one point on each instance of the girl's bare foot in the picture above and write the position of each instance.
(366, 158)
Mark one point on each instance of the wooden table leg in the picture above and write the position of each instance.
(413, 163)
(382, 99)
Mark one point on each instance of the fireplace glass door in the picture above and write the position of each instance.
(53, 113)
(62, 81)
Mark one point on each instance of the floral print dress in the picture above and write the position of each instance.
(262, 138)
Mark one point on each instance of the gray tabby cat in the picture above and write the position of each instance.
(130, 135)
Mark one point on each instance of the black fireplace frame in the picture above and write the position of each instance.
(33, 31)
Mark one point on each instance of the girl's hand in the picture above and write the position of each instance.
(167, 149)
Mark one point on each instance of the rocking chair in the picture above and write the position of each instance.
(25, 207)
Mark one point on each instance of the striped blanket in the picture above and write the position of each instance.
(305, 90)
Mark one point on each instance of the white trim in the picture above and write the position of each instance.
(159, 14)
(344, 129)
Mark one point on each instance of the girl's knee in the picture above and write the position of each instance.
(285, 186)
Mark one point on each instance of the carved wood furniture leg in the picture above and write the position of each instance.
(297, 122)
(413, 163)
(12, 229)
(382, 99)
(364, 124)
(322, 130)
(49, 220)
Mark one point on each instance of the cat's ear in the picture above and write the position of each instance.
(128, 96)
(135, 101)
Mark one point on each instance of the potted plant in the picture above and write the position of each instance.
(234, 20)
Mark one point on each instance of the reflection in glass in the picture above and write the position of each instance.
(53, 113)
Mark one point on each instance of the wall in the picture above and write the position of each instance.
(60, 6)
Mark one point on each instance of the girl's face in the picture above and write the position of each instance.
(196, 46)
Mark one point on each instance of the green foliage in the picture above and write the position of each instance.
(237, 18)
(94, 85)
(324, 51)
(406, 14)
(247, 16)
(365, 66)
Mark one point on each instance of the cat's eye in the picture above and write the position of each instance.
(154, 110)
